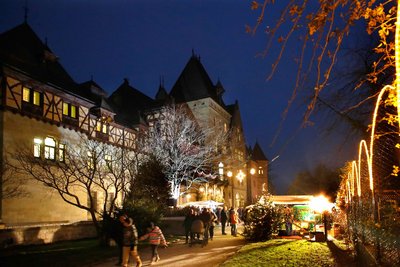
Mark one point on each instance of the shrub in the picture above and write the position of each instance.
(261, 220)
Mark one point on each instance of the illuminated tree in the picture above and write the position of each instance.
(182, 147)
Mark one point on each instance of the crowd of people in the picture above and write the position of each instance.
(209, 219)
(127, 237)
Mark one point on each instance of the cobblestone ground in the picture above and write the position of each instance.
(180, 254)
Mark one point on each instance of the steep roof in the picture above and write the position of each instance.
(128, 102)
(92, 91)
(236, 119)
(194, 83)
(22, 49)
(257, 153)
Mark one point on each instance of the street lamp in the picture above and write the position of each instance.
(230, 175)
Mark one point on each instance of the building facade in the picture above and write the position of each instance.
(44, 109)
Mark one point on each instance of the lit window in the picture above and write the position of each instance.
(37, 142)
(61, 152)
(26, 93)
(225, 127)
(221, 168)
(65, 109)
(69, 110)
(36, 98)
(101, 127)
(73, 111)
(31, 96)
(49, 148)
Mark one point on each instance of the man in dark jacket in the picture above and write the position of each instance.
(129, 241)
(189, 218)
(205, 216)
(224, 218)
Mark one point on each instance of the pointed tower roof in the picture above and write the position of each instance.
(257, 153)
(128, 102)
(194, 83)
(162, 94)
(21, 48)
(236, 119)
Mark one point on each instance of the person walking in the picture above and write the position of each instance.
(187, 223)
(224, 219)
(205, 217)
(156, 238)
(213, 222)
(234, 219)
(129, 241)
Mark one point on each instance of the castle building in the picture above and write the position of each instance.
(43, 108)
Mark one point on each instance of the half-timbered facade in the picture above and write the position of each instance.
(44, 109)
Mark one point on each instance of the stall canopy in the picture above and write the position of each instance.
(291, 199)
(203, 204)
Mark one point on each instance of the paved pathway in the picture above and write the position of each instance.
(180, 254)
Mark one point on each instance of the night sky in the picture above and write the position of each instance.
(142, 40)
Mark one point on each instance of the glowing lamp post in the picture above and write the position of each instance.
(230, 175)
(321, 205)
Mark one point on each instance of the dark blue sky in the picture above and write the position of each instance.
(144, 39)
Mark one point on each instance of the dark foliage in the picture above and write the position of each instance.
(261, 220)
(319, 180)
(150, 187)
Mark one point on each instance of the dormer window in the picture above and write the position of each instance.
(101, 127)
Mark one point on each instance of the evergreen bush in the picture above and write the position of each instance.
(261, 220)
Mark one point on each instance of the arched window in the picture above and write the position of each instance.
(49, 148)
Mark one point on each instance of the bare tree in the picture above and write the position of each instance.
(87, 168)
(322, 28)
(12, 183)
(182, 147)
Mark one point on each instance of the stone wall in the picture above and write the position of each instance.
(173, 226)
(44, 234)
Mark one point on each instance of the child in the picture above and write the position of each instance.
(156, 238)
